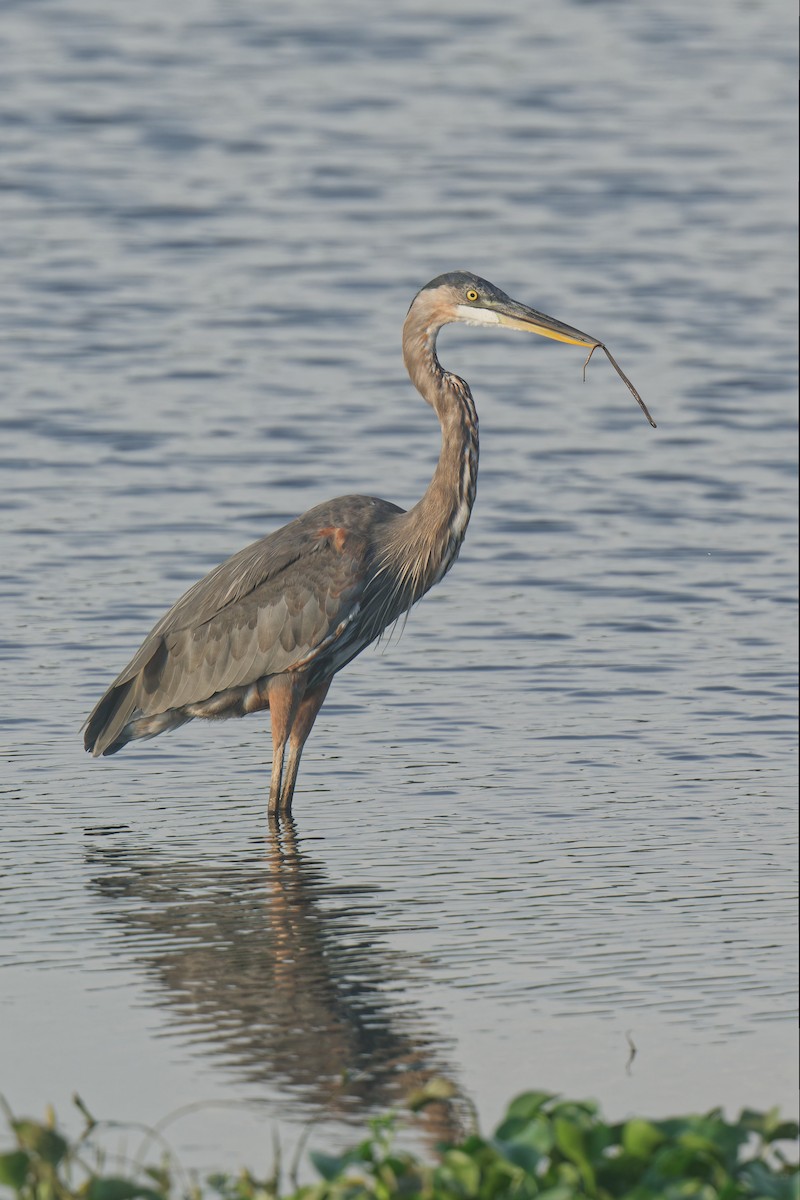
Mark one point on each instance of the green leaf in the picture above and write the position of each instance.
(537, 1132)
(580, 1112)
(570, 1141)
(618, 1173)
(689, 1189)
(784, 1131)
(512, 1126)
(769, 1125)
(765, 1183)
(528, 1104)
(755, 1120)
(14, 1168)
(545, 1149)
(524, 1142)
(41, 1141)
(519, 1154)
(463, 1169)
(674, 1161)
(112, 1187)
(329, 1165)
(640, 1137)
(599, 1137)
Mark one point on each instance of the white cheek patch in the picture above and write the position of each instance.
(476, 316)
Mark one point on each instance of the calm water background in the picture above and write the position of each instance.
(560, 810)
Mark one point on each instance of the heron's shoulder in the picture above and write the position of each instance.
(358, 514)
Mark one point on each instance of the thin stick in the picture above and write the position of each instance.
(589, 359)
(622, 376)
(633, 1052)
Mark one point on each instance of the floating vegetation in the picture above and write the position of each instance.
(546, 1148)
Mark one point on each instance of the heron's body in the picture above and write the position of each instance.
(271, 626)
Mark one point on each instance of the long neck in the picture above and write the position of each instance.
(429, 537)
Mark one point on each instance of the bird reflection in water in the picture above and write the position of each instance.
(276, 974)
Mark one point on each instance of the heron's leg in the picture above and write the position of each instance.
(307, 711)
(285, 693)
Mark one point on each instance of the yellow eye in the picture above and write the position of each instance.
(472, 294)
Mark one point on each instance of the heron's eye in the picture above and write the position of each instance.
(472, 294)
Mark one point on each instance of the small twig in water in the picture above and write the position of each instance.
(633, 1051)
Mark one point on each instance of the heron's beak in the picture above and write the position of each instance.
(518, 316)
(502, 310)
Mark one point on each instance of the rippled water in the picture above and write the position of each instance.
(556, 817)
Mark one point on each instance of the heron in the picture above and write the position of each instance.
(270, 627)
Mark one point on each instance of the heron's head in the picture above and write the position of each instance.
(462, 296)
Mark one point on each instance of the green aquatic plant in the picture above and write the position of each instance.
(545, 1147)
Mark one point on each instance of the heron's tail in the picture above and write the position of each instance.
(118, 719)
(105, 730)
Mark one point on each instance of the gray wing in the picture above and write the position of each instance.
(274, 606)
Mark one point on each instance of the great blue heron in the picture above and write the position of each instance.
(269, 628)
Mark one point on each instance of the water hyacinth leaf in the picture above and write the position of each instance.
(537, 1133)
(14, 1168)
(762, 1181)
(579, 1112)
(784, 1131)
(570, 1141)
(708, 1135)
(473, 1143)
(41, 1141)
(526, 1157)
(529, 1104)
(463, 1170)
(598, 1137)
(567, 1173)
(561, 1152)
(769, 1125)
(113, 1187)
(329, 1165)
(687, 1189)
(640, 1137)
(508, 1129)
(718, 1140)
(677, 1162)
(619, 1172)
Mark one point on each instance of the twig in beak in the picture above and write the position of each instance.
(622, 376)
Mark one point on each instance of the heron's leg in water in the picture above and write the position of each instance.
(306, 715)
(285, 693)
